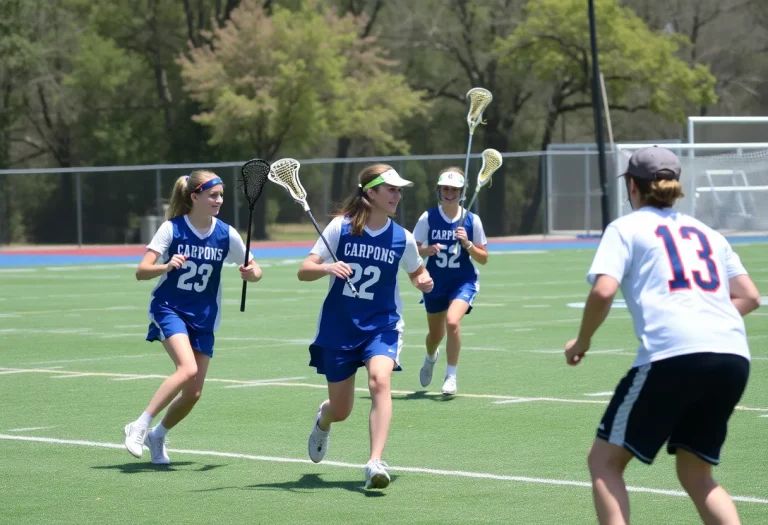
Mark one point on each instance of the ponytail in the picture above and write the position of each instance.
(661, 193)
(356, 206)
(181, 195)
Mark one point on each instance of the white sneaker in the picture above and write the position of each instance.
(318, 440)
(157, 450)
(425, 374)
(449, 386)
(376, 475)
(134, 438)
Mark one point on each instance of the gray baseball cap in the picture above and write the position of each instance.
(646, 164)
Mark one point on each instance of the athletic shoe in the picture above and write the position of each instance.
(425, 374)
(134, 438)
(376, 475)
(157, 450)
(318, 440)
(449, 386)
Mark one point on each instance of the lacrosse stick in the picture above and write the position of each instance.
(253, 177)
(491, 162)
(479, 98)
(285, 172)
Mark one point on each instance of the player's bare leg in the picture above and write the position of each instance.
(456, 311)
(190, 394)
(379, 375)
(711, 500)
(338, 406)
(436, 324)
(183, 356)
(181, 352)
(606, 465)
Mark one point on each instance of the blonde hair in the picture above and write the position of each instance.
(356, 206)
(659, 193)
(185, 186)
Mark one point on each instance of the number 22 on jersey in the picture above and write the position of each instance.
(679, 258)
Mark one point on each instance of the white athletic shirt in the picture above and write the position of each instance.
(674, 273)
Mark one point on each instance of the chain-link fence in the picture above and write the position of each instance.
(533, 193)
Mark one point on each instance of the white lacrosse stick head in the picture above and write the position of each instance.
(479, 98)
(285, 172)
(491, 162)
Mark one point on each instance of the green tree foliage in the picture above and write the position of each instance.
(296, 78)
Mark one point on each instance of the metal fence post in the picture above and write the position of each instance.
(158, 194)
(401, 213)
(587, 193)
(326, 191)
(235, 199)
(79, 192)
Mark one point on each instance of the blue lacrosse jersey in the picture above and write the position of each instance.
(346, 321)
(449, 270)
(194, 290)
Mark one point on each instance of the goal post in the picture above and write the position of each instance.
(725, 184)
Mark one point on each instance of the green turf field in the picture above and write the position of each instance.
(511, 448)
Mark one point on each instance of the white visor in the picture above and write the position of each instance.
(389, 177)
(451, 178)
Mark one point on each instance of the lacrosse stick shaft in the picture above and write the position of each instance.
(466, 168)
(314, 222)
(247, 255)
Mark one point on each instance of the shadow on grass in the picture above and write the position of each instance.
(310, 482)
(138, 467)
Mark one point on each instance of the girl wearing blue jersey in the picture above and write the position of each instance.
(366, 330)
(185, 307)
(456, 279)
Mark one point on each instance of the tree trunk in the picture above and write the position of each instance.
(494, 223)
(337, 180)
(532, 212)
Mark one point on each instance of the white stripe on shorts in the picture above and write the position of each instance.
(621, 419)
(162, 335)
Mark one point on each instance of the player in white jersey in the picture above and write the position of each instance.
(687, 292)
(185, 309)
(455, 276)
(366, 330)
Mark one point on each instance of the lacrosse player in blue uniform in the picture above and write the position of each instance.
(366, 330)
(185, 307)
(455, 276)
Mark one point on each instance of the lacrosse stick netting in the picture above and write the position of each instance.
(491, 162)
(285, 172)
(253, 178)
(479, 98)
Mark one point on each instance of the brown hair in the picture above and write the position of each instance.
(658, 193)
(356, 206)
(181, 195)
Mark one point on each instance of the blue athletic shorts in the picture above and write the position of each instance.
(338, 365)
(438, 301)
(166, 322)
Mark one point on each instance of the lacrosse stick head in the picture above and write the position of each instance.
(479, 98)
(285, 172)
(491, 162)
(253, 178)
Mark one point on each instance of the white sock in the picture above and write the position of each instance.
(144, 420)
(450, 371)
(159, 430)
(432, 358)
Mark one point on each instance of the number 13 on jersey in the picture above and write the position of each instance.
(679, 258)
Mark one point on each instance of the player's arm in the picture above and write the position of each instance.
(421, 235)
(314, 268)
(478, 251)
(428, 250)
(238, 252)
(608, 269)
(421, 279)
(744, 294)
(149, 269)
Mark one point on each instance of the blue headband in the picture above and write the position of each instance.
(208, 184)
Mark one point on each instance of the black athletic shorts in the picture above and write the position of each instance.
(685, 401)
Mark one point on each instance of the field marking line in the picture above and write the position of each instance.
(394, 468)
(28, 429)
(259, 382)
(503, 399)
